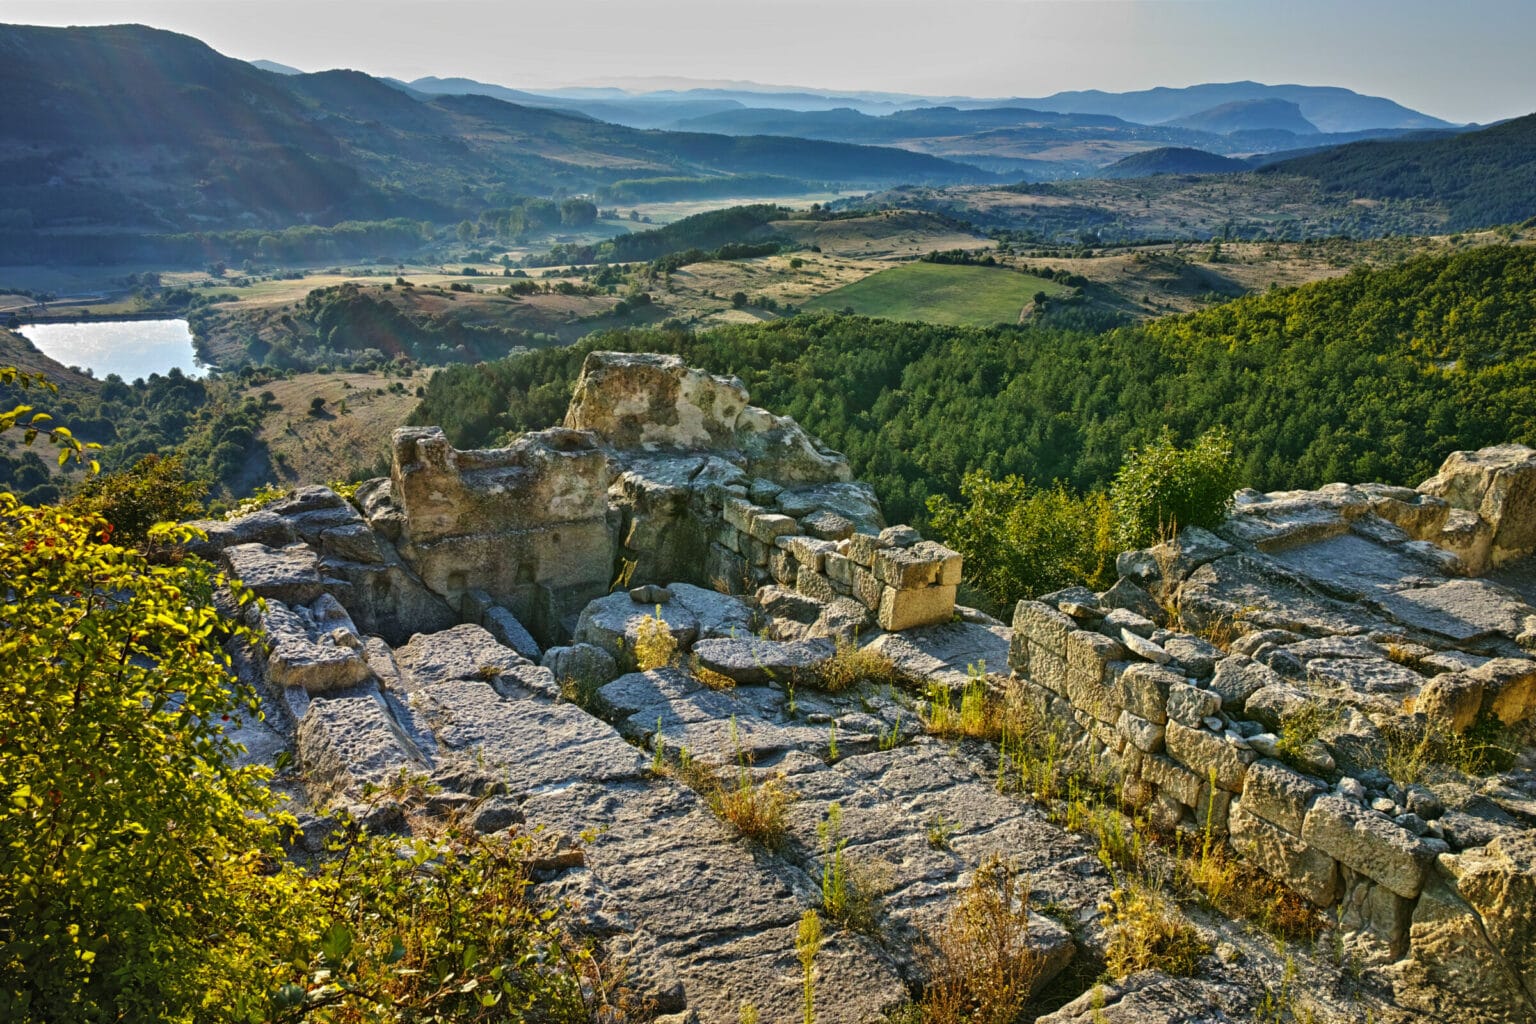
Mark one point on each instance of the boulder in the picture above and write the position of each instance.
(1369, 843)
(290, 574)
(315, 647)
(1499, 485)
(630, 399)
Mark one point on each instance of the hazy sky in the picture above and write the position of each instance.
(1464, 60)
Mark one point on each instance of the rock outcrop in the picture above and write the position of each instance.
(481, 618)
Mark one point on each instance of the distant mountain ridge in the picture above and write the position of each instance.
(1172, 160)
(1249, 115)
(133, 129)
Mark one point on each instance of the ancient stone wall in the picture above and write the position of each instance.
(1343, 632)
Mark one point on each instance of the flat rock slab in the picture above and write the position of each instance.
(1463, 611)
(290, 574)
(463, 652)
(946, 652)
(1351, 567)
(527, 743)
(345, 743)
(750, 660)
(713, 726)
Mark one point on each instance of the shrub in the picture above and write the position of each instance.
(133, 845)
(1022, 541)
(1162, 486)
(655, 646)
(1147, 932)
(757, 810)
(982, 965)
(153, 490)
(852, 664)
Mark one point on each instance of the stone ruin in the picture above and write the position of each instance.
(433, 624)
(1358, 618)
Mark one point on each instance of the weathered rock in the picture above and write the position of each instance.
(585, 663)
(947, 653)
(1499, 484)
(1210, 755)
(750, 660)
(1283, 856)
(1280, 795)
(290, 574)
(1368, 843)
(349, 742)
(316, 648)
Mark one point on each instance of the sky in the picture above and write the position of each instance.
(1463, 60)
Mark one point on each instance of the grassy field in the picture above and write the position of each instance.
(346, 441)
(941, 293)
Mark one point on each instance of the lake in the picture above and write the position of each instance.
(128, 348)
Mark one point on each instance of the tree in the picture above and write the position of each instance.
(1162, 487)
(578, 213)
(153, 490)
(738, 299)
(466, 231)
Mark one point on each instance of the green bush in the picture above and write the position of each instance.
(133, 846)
(1022, 541)
(153, 490)
(1162, 487)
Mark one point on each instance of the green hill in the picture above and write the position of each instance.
(1484, 177)
(1374, 376)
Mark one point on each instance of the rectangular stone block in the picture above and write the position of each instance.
(756, 551)
(838, 567)
(813, 584)
(1178, 782)
(737, 513)
(1144, 689)
(1283, 856)
(905, 568)
(768, 526)
(728, 537)
(907, 609)
(1088, 676)
(808, 550)
(1145, 736)
(1279, 794)
(1044, 625)
(827, 525)
(1047, 668)
(1208, 754)
(862, 548)
(783, 568)
(1369, 843)
(866, 588)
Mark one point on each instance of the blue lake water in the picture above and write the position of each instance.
(128, 348)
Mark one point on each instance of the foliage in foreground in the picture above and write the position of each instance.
(134, 848)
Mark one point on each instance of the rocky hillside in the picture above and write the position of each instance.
(674, 640)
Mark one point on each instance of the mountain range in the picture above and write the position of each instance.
(134, 128)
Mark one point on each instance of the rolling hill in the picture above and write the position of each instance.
(1172, 160)
(1483, 177)
(1249, 115)
(130, 129)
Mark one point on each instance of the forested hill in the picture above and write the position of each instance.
(127, 127)
(1373, 376)
(1485, 177)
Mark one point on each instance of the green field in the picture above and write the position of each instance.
(941, 293)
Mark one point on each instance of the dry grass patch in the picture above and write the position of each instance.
(982, 966)
(851, 664)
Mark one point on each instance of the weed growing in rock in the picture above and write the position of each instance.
(655, 646)
(1148, 932)
(807, 944)
(850, 890)
(982, 966)
(981, 714)
(851, 664)
(747, 1014)
(709, 677)
(1412, 749)
(1299, 728)
(755, 809)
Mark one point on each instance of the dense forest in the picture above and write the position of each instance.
(1373, 376)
